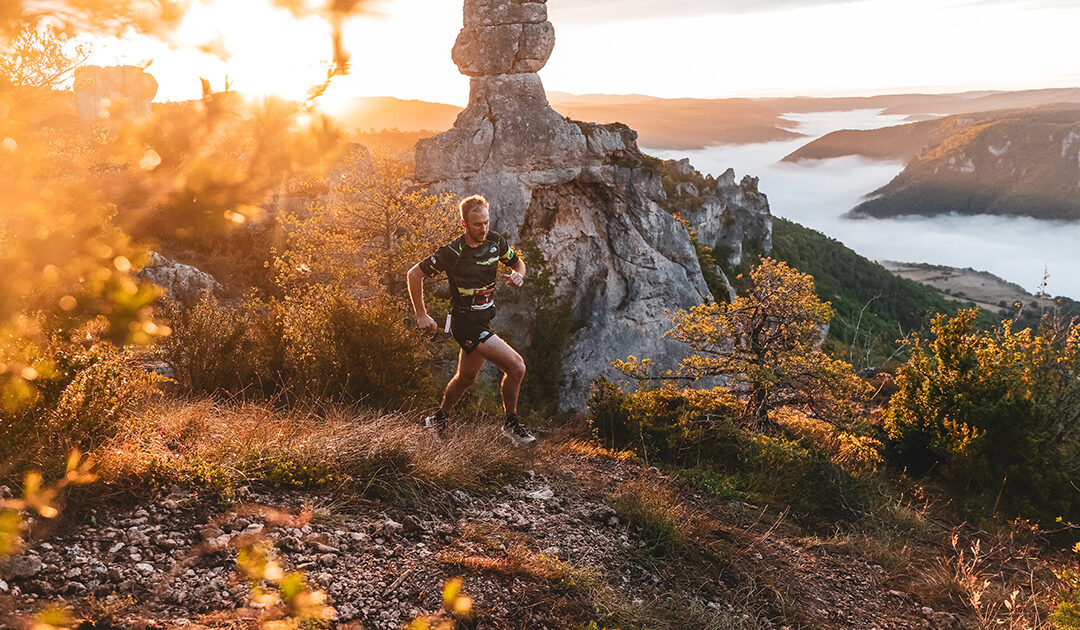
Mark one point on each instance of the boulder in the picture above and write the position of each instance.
(124, 91)
(23, 566)
(182, 283)
(503, 37)
(492, 12)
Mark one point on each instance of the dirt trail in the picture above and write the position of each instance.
(547, 550)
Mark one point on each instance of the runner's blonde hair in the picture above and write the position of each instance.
(471, 204)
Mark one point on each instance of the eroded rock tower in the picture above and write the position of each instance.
(582, 192)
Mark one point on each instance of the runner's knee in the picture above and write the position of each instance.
(465, 378)
(516, 369)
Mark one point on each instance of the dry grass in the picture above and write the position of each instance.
(995, 583)
(584, 592)
(232, 444)
(590, 448)
(666, 523)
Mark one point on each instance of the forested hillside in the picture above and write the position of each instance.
(874, 308)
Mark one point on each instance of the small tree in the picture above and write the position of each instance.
(39, 58)
(768, 342)
(372, 227)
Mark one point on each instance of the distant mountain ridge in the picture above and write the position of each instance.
(690, 123)
(1013, 163)
(900, 142)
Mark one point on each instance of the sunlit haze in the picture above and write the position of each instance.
(698, 48)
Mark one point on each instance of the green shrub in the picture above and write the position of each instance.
(79, 404)
(700, 429)
(318, 343)
(216, 348)
(1067, 614)
(995, 412)
(658, 522)
(282, 472)
(807, 481)
(340, 349)
(675, 425)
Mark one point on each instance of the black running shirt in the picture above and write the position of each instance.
(471, 270)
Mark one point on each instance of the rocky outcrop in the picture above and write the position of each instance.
(732, 218)
(125, 91)
(583, 193)
(182, 283)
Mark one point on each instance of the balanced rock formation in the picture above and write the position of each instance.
(582, 193)
(124, 90)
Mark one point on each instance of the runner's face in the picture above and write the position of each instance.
(476, 225)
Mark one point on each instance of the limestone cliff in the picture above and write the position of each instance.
(583, 193)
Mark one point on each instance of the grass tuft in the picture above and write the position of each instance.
(224, 446)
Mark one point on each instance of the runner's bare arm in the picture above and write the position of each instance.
(415, 279)
(519, 269)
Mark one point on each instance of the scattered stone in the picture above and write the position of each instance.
(390, 527)
(25, 566)
(210, 533)
(410, 524)
(544, 494)
(167, 544)
(328, 560)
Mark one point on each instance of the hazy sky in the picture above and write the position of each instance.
(671, 48)
(610, 10)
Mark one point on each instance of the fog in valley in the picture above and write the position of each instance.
(817, 193)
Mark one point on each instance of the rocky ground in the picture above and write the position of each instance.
(547, 550)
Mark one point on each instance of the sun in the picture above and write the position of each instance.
(254, 48)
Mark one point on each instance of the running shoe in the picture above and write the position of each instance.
(516, 433)
(437, 424)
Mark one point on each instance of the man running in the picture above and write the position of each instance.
(471, 264)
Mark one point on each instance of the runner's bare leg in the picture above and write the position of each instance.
(468, 368)
(512, 365)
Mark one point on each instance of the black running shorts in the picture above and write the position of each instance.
(471, 328)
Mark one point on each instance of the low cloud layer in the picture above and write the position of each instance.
(817, 193)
